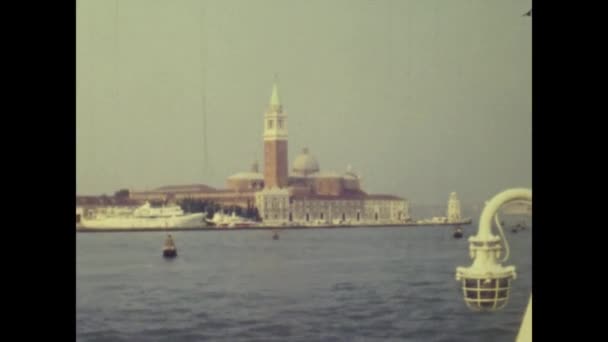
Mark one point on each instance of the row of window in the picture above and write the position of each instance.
(279, 123)
(383, 212)
(343, 216)
(321, 216)
(325, 203)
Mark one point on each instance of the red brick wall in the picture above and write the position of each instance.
(328, 186)
(275, 163)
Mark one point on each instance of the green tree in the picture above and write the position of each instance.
(122, 194)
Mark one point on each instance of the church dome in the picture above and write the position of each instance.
(254, 174)
(305, 164)
(247, 176)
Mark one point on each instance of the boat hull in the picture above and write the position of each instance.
(169, 253)
(185, 221)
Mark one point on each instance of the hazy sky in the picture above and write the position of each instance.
(421, 97)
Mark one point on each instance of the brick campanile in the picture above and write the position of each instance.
(275, 143)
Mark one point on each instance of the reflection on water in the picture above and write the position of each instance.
(372, 284)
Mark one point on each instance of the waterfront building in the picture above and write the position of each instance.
(310, 196)
(304, 195)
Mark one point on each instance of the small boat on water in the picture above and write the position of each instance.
(169, 249)
(458, 233)
(275, 235)
(220, 220)
(518, 227)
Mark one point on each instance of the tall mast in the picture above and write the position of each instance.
(203, 59)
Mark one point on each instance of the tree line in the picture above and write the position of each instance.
(191, 205)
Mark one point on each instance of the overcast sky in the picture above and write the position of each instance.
(421, 97)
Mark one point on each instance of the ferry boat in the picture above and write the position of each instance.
(144, 216)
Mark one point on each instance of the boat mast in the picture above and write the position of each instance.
(203, 60)
(116, 56)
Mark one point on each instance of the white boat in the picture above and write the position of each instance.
(144, 216)
(221, 220)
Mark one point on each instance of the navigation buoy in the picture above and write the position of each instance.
(458, 233)
(169, 249)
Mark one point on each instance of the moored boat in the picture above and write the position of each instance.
(221, 220)
(144, 216)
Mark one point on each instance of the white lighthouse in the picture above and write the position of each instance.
(454, 208)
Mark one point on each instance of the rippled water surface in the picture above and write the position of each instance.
(364, 284)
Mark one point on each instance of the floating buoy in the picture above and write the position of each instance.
(458, 233)
(169, 252)
(169, 249)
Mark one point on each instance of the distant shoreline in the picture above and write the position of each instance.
(403, 225)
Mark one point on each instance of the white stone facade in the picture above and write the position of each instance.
(276, 207)
(273, 205)
(386, 210)
(453, 213)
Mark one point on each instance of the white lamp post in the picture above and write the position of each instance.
(486, 284)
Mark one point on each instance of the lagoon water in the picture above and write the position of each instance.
(363, 284)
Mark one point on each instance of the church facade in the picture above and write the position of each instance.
(305, 195)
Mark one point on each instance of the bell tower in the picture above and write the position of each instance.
(275, 143)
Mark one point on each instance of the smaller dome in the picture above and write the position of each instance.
(253, 174)
(350, 174)
(305, 163)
